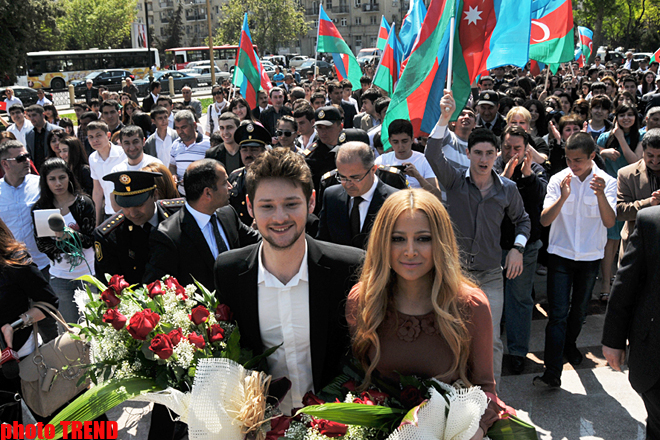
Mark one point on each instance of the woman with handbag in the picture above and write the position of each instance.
(20, 282)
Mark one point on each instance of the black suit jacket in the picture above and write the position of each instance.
(178, 247)
(147, 103)
(335, 223)
(633, 312)
(332, 273)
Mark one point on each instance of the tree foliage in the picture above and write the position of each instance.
(628, 23)
(273, 23)
(26, 25)
(96, 23)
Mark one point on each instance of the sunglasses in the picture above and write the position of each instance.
(20, 158)
(286, 133)
(218, 93)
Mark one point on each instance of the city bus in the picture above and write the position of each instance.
(223, 56)
(54, 70)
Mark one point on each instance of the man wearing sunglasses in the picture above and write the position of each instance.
(287, 129)
(349, 210)
(21, 125)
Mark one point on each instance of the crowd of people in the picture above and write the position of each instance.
(273, 207)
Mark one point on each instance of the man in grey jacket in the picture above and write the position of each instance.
(188, 100)
(478, 199)
(159, 144)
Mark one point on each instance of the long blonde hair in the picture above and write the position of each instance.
(377, 278)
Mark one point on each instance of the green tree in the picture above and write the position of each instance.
(174, 31)
(273, 23)
(25, 26)
(96, 23)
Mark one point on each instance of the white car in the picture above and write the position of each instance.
(297, 61)
(203, 74)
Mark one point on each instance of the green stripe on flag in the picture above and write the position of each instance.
(557, 50)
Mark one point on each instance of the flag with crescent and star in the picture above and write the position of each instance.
(551, 39)
(249, 74)
(330, 41)
(586, 44)
(383, 33)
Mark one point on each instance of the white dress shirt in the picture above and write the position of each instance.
(20, 134)
(284, 319)
(170, 121)
(164, 146)
(366, 202)
(307, 145)
(204, 223)
(578, 232)
(100, 168)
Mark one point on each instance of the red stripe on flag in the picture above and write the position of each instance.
(556, 24)
(417, 100)
(3, 105)
(328, 29)
(478, 20)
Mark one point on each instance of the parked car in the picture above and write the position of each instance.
(308, 66)
(203, 74)
(110, 79)
(180, 80)
(270, 70)
(27, 95)
(279, 60)
(298, 61)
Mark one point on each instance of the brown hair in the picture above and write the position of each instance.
(280, 163)
(12, 252)
(165, 183)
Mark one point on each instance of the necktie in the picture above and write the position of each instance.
(220, 243)
(355, 216)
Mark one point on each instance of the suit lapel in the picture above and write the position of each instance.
(376, 202)
(190, 227)
(248, 301)
(318, 307)
(229, 225)
(644, 183)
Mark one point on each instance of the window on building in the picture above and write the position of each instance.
(344, 22)
(372, 41)
(374, 19)
(329, 5)
(358, 20)
(358, 41)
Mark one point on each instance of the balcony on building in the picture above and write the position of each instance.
(166, 4)
(370, 7)
(343, 9)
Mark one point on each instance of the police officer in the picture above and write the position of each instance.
(122, 241)
(253, 140)
(320, 157)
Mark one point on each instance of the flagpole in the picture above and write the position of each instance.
(316, 49)
(450, 61)
(547, 77)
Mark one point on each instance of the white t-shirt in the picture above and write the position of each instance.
(124, 165)
(100, 168)
(416, 159)
(20, 134)
(61, 269)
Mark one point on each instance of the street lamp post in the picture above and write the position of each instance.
(208, 19)
(151, 61)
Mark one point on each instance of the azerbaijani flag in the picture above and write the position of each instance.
(383, 33)
(330, 41)
(586, 43)
(249, 74)
(489, 33)
(656, 57)
(411, 25)
(387, 74)
(536, 67)
(551, 39)
(579, 57)
(3, 105)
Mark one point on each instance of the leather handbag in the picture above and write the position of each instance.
(50, 376)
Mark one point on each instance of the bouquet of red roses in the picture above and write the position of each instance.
(149, 338)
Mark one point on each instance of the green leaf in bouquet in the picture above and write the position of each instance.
(233, 350)
(108, 277)
(355, 414)
(94, 282)
(334, 389)
(252, 363)
(98, 400)
(148, 354)
(510, 427)
(209, 299)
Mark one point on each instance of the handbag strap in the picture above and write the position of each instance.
(52, 311)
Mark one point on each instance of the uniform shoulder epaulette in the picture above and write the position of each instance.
(389, 169)
(171, 206)
(112, 223)
(329, 175)
(309, 150)
(237, 172)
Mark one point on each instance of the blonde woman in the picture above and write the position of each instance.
(521, 117)
(414, 311)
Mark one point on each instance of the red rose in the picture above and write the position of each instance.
(349, 385)
(278, 427)
(111, 300)
(199, 315)
(118, 283)
(364, 400)
(223, 313)
(411, 396)
(162, 346)
(142, 323)
(179, 290)
(216, 333)
(175, 336)
(377, 397)
(328, 428)
(112, 316)
(197, 340)
(154, 289)
(311, 399)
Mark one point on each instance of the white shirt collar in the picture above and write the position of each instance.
(264, 276)
(154, 219)
(370, 194)
(201, 218)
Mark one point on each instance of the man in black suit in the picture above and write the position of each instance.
(634, 304)
(150, 100)
(187, 244)
(488, 115)
(290, 289)
(349, 209)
